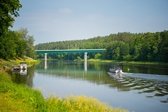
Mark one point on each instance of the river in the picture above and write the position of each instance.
(143, 88)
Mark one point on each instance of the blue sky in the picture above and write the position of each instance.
(59, 20)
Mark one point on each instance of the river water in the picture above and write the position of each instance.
(142, 88)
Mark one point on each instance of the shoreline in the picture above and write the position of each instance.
(116, 61)
(127, 62)
(26, 99)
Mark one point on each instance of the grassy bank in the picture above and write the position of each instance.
(8, 64)
(127, 62)
(20, 98)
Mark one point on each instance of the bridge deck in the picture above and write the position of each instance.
(71, 51)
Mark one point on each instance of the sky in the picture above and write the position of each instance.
(60, 20)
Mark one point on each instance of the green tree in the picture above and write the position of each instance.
(8, 11)
(98, 56)
(7, 46)
(163, 47)
(29, 40)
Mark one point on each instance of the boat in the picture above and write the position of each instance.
(23, 66)
(116, 73)
(116, 70)
(21, 69)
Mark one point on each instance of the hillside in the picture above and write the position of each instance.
(122, 46)
(94, 43)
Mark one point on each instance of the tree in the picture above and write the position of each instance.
(8, 11)
(29, 41)
(98, 56)
(16, 44)
(7, 46)
(163, 46)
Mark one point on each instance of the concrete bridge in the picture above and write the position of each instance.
(85, 51)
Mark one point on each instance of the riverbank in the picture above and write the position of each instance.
(8, 64)
(20, 98)
(127, 62)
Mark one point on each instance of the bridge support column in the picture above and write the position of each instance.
(85, 61)
(45, 56)
(45, 61)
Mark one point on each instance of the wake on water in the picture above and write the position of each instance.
(146, 76)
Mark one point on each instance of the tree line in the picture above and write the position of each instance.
(121, 46)
(13, 43)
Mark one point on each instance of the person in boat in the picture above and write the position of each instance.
(116, 73)
(116, 70)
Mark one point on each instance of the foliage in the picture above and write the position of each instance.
(98, 56)
(16, 44)
(8, 10)
(29, 42)
(13, 43)
(121, 46)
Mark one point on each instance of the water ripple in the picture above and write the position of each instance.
(150, 85)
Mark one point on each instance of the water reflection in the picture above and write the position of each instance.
(147, 69)
(70, 78)
(97, 73)
(85, 66)
(22, 78)
(45, 64)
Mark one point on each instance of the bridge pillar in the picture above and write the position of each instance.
(85, 61)
(45, 61)
(45, 56)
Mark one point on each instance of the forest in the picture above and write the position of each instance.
(121, 46)
(13, 44)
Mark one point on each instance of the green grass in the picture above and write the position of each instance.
(20, 98)
(78, 104)
(8, 64)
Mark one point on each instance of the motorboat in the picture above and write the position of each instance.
(116, 73)
(116, 70)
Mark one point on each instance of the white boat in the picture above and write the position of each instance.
(118, 70)
(116, 73)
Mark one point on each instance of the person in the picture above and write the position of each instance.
(119, 72)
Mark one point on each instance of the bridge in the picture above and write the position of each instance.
(85, 51)
(71, 51)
